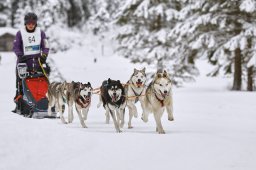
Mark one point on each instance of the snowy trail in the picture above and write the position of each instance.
(213, 128)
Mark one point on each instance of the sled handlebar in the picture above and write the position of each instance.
(22, 70)
(23, 59)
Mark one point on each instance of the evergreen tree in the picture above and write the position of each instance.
(23, 8)
(221, 30)
(102, 14)
(144, 37)
(75, 13)
(4, 13)
(14, 7)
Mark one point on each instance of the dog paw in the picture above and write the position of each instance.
(64, 122)
(135, 115)
(161, 132)
(130, 127)
(70, 119)
(84, 126)
(144, 119)
(118, 131)
(170, 118)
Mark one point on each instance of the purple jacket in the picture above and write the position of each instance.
(31, 60)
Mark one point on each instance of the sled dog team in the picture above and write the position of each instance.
(154, 98)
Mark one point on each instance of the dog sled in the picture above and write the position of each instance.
(33, 102)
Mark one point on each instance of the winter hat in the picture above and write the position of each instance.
(30, 17)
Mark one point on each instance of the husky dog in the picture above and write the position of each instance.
(113, 98)
(158, 97)
(80, 94)
(56, 96)
(135, 89)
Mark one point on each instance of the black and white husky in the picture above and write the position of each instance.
(114, 101)
(158, 98)
(134, 90)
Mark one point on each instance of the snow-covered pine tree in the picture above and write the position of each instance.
(102, 13)
(221, 30)
(100, 17)
(13, 8)
(77, 13)
(249, 7)
(22, 8)
(100, 22)
(143, 37)
(4, 13)
(71, 13)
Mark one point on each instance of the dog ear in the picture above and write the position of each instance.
(144, 70)
(159, 75)
(165, 74)
(118, 81)
(89, 83)
(109, 80)
(65, 83)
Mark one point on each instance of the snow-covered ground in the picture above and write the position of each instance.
(214, 129)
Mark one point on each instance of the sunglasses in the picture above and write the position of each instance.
(31, 23)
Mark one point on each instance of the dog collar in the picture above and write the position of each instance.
(136, 94)
(161, 101)
(83, 103)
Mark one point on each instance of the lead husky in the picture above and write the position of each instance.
(80, 94)
(158, 97)
(56, 96)
(135, 89)
(113, 98)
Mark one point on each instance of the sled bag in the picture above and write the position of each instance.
(38, 87)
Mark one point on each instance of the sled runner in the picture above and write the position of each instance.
(33, 101)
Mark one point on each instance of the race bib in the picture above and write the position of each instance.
(31, 41)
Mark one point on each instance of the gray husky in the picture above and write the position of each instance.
(56, 96)
(135, 90)
(158, 97)
(71, 93)
(80, 95)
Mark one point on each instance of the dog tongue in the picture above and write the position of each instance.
(164, 95)
(88, 99)
(139, 83)
(114, 98)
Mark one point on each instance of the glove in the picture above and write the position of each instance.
(21, 59)
(43, 58)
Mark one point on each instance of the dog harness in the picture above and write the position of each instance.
(82, 102)
(137, 95)
(161, 101)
